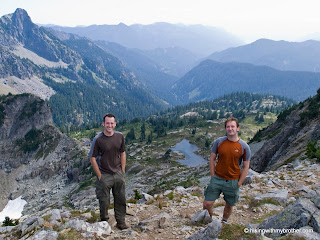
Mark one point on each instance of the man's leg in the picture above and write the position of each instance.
(103, 195)
(227, 211)
(231, 196)
(119, 195)
(209, 206)
(211, 194)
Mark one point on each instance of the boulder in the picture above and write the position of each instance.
(55, 216)
(147, 197)
(97, 228)
(201, 217)
(31, 224)
(306, 233)
(315, 221)
(154, 222)
(212, 231)
(316, 201)
(251, 175)
(296, 215)
(280, 196)
(6, 229)
(43, 234)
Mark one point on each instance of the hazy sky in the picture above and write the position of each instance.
(248, 19)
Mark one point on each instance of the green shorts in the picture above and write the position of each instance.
(229, 188)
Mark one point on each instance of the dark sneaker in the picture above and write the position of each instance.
(121, 226)
(104, 220)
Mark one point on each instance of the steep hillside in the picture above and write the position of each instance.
(160, 35)
(211, 79)
(150, 74)
(174, 60)
(288, 137)
(37, 161)
(282, 55)
(64, 68)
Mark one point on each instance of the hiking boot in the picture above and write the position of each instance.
(224, 220)
(104, 220)
(121, 226)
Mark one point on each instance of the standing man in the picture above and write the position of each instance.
(110, 147)
(226, 175)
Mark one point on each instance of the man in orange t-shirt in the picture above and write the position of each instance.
(226, 175)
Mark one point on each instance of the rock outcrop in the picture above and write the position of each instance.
(287, 138)
(35, 157)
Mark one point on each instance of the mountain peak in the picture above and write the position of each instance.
(21, 11)
(20, 18)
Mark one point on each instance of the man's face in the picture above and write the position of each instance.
(232, 129)
(109, 124)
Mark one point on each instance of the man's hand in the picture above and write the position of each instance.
(95, 167)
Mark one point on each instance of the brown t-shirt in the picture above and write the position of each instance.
(109, 149)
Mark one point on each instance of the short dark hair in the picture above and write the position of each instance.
(231, 119)
(109, 115)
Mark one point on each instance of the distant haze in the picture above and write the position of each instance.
(250, 20)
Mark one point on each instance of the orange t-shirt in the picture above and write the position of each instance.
(230, 156)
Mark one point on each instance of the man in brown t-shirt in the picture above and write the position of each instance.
(110, 146)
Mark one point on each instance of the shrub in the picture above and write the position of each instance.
(31, 141)
(137, 194)
(2, 114)
(9, 222)
(313, 151)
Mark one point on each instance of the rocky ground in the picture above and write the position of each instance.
(293, 190)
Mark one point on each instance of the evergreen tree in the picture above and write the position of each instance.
(143, 132)
(130, 136)
(261, 119)
(149, 140)
(9, 222)
(207, 143)
(257, 117)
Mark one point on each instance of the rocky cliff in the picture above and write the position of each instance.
(287, 138)
(36, 159)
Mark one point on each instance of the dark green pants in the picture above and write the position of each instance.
(116, 183)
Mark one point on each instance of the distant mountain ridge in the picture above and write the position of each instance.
(282, 55)
(211, 79)
(70, 71)
(200, 40)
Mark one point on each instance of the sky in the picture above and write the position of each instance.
(289, 20)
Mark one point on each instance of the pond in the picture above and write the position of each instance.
(188, 150)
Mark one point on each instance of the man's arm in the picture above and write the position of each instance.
(244, 172)
(95, 167)
(123, 161)
(212, 163)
